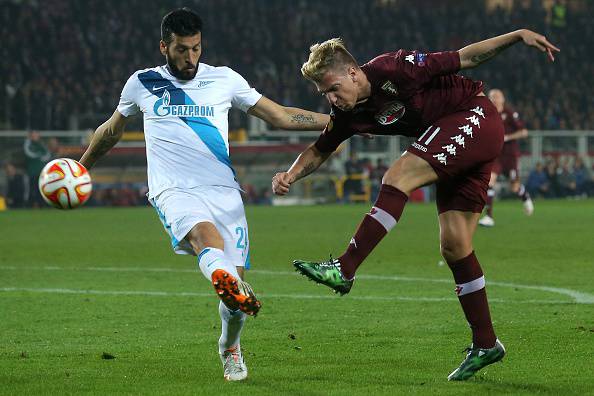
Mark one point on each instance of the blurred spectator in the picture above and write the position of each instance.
(376, 177)
(538, 183)
(53, 146)
(353, 185)
(566, 179)
(554, 188)
(36, 156)
(17, 186)
(583, 178)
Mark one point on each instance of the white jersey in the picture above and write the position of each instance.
(186, 124)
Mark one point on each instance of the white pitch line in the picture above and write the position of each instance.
(263, 295)
(578, 297)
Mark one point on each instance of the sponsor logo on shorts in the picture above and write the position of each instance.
(419, 147)
(391, 113)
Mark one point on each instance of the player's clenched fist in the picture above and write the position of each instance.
(281, 183)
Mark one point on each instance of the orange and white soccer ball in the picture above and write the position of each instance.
(65, 183)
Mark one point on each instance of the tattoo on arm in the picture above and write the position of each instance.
(303, 119)
(307, 169)
(480, 58)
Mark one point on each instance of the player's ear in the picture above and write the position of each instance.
(352, 72)
(163, 47)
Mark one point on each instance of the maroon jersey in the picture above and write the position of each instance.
(409, 91)
(511, 123)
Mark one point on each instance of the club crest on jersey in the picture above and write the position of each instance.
(390, 88)
(391, 113)
(163, 107)
(420, 58)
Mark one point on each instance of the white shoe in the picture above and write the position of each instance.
(528, 207)
(235, 368)
(487, 221)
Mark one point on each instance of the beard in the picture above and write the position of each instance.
(179, 73)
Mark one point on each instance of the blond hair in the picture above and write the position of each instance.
(331, 54)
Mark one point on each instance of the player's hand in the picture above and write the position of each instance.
(540, 42)
(281, 183)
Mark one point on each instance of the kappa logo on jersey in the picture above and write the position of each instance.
(391, 113)
(390, 88)
(410, 58)
(163, 108)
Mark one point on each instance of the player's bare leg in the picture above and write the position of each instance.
(456, 231)
(237, 298)
(520, 190)
(405, 175)
(208, 244)
(487, 220)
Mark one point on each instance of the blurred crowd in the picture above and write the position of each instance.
(561, 177)
(65, 61)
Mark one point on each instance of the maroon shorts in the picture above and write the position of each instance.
(507, 165)
(461, 148)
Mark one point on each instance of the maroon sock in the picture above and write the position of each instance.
(375, 225)
(470, 288)
(489, 205)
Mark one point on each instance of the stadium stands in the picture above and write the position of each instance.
(67, 60)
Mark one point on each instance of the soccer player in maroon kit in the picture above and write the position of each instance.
(459, 135)
(508, 162)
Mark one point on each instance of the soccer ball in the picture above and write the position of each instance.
(65, 183)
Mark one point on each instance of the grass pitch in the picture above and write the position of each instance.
(93, 301)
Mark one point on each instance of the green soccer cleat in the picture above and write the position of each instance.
(327, 273)
(476, 359)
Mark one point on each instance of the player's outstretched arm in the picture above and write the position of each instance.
(519, 134)
(288, 117)
(477, 53)
(307, 162)
(105, 137)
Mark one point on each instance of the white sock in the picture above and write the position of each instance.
(211, 259)
(231, 325)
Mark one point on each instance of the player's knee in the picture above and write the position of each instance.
(395, 180)
(204, 235)
(453, 248)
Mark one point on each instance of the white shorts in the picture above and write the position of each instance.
(181, 209)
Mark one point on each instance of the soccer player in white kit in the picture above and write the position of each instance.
(191, 182)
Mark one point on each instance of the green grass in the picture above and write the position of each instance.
(388, 336)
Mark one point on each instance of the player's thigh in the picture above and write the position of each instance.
(456, 230)
(205, 234)
(409, 172)
(511, 168)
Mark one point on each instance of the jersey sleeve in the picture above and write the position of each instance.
(128, 105)
(333, 134)
(423, 67)
(243, 96)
